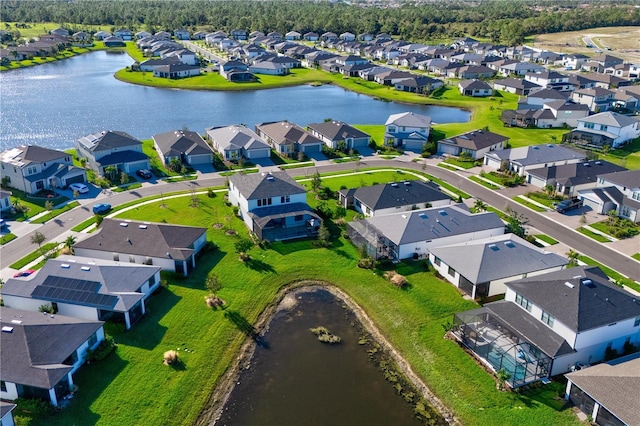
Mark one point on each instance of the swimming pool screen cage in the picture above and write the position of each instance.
(500, 347)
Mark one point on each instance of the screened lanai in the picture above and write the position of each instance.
(501, 347)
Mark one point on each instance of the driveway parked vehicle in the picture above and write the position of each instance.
(80, 187)
(101, 208)
(144, 174)
(568, 204)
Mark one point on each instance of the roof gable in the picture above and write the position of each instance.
(265, 185)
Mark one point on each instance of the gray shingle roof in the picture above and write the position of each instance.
(284, 132)
(474, 84)
(409, 119)
(144, 239)
(337, 130)
(495, 258)
(576, 173)
(108, 139)
(27, 154)
(384, 196)
(178, 142)
(610, 118)
(33, 354)
(120, 157)
(265, 185)
(626, 179)
(84, 277)
(433, 223)
(475, 140)
(614, 385)
(581, 298)
(536, 154)
(236, 137)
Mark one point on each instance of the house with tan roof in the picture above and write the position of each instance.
(288, 138)
(476, 143)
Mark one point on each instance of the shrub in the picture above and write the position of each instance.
(37, 408)
(396, 279)
(213, 301)
(170, 357)
(211, 193)
(366, 263)
(384, 264)
(102, 351)
(46, 308)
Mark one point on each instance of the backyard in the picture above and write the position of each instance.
(132, 386)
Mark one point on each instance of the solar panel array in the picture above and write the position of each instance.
(72, 290)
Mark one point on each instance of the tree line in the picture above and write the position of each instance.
(500, 21)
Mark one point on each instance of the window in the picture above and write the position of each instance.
(3, 386)
(451, 271)
(116, 257)
(603, 127)
(152, 280)
(392, 129)
(93, 339)
(298, 218)
(437, 261)
(547, 319)
(132, 259)
(588, 125)
(636, 322)
(264, 202)
(524, 302)
(285, 199)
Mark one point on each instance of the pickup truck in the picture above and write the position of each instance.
(568, 204)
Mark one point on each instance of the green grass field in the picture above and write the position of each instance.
(132, 386)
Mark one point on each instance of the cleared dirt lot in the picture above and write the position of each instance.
(624, 42)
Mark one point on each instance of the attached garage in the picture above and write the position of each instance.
(258, 153)
(201, 159)
(136, 165)
(311, 149)
(357, 142)
(74, 179)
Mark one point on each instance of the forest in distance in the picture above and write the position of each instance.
(499, 21)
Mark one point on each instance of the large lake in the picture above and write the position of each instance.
(294, 379)
(54, 104)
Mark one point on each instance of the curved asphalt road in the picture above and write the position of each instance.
(624, 264)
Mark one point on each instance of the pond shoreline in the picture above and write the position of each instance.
(220, 395)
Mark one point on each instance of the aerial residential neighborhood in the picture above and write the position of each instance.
(456, 221)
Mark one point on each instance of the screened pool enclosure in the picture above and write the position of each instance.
(500, 347)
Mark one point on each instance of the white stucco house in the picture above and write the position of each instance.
(606, 128)
(476, 143)
(618, 191)
(37, 367)
(92, 289)
(335, 133)
(524, 158)
(273, 205)
(407, 130)
(171, 247)
(414, 233)
(237, 141)
(548, 323)
(112, 149)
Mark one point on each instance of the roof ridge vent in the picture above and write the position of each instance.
(395, 185)
(142, 226)
(7, 329)
(65, 266)
(568, 284)
(85, 268)
(124, 224)
(16, 322)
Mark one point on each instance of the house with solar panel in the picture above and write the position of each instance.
(549, 323)
(273, 206)
(112, 149)
(171, 247)
(98, 290)
(42, 368)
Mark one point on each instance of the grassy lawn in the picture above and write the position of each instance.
(483, 182)
(38, 60)
(617, 228)
(636, 256)
(547, 239)
(593, 235)
(21, 263)
(503, 178)
(157, 166)
(127, 187)
(464, 164)
(33, 205)
(132, 386)
(543, 198)
(628, 156)
(6, 238)
(55, 213)
(528, 204)
(376, 131)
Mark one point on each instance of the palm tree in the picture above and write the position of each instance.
(38, 238)
(572, 255)
(69, 242)
(480, 206)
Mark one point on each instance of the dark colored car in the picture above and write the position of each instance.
(568, 204)
(101, 208)
(144, 174)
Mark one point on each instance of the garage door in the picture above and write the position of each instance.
(259, 153)
(359, 143)
(138, 165)
(74, 179)
(201, 159)
(311, 148)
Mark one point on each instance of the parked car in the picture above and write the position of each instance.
(24, 273)
(101, 208)
(568, 204)
(144, 174)
(80, 187)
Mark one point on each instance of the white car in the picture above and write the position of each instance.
(80, 187)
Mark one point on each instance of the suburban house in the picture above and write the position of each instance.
(226, 68)
(237, 141)
(607, 392)
(417, 84)
(596, 98)
(38, 367)
(548, 79)
(176, 70)
(407, 130)
(273, 206)
(568, 179)
(525, 158)
(619, 191)
(414, 233)
(185, 146)
(336, 134)
(606, 128)
(80, 287)
(288, 138)
(480, 268)
(548, 323)
(124, 34)
(182, 34)
(269, 68)
(574, 61)
(476, 143)
(114, 149)
(172, 247)
(101, 35)
(515, 85)
(32, 168)
(113, 41)
(474, 88)
(5, 200)
(388, 198)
